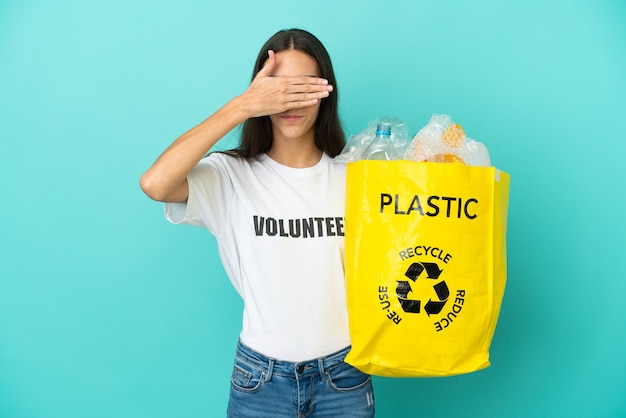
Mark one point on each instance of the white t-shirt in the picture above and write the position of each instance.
(280, 237)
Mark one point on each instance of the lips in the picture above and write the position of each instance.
(290, 118)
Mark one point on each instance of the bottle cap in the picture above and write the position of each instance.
(383, 128)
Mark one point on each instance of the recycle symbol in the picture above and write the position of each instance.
(414, 305)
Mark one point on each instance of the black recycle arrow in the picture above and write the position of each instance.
(434, 307)
(415, 269)
(404, 288)
(402, 291)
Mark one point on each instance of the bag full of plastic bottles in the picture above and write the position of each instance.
(425, 249)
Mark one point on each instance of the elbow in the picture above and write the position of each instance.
(150, 188)
(156, 188)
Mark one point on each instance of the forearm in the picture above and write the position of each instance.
(166, 179)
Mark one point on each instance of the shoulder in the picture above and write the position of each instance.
(226, 161)
(337, 168)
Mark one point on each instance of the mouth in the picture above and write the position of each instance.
(290, 118)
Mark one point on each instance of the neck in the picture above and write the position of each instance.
(295, 154)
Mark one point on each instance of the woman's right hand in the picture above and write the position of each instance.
(268, 95)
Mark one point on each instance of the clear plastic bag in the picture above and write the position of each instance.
(357, 144)
(442, 140)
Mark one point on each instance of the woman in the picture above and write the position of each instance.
(276, 205)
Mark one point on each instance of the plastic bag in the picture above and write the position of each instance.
(444, 141)
(356, 145)
(425, 251)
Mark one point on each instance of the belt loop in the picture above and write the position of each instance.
(320, 364)
(270, 369)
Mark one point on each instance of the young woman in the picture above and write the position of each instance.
(275, 205)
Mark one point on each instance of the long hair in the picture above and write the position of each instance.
(256, 133)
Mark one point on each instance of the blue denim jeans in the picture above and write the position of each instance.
(325, 387)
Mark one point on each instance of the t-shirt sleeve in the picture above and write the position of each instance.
(210, 191)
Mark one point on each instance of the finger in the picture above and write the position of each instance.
(308, 97)
(300, 104)
(266, 71)
(292, 88)
(307, 80)
(304, 100)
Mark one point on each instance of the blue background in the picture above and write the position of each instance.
(106, 310)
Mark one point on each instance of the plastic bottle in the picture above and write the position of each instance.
(381, 147)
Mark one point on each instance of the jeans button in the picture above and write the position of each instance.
(300, 369)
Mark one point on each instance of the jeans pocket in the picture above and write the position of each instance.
(344, 377)
(246, 378)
